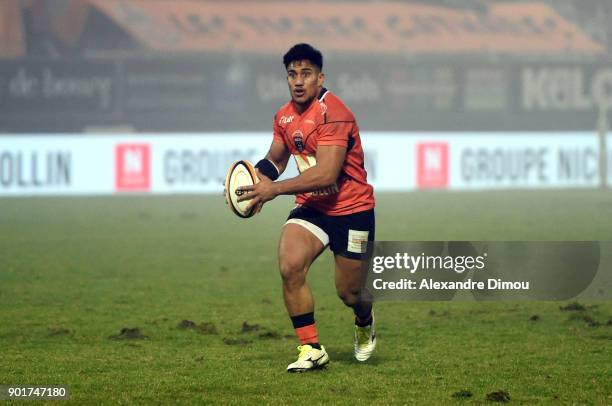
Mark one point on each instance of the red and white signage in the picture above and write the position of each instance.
(133, 167)
(432, 165)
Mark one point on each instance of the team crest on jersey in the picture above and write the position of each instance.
(298, 140)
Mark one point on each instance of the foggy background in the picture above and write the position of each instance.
(198, 66)
(107, 96)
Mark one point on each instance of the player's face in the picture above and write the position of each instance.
(305, 81)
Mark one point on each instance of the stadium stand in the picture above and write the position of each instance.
(207, 65)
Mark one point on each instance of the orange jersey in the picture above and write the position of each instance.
(327, 122)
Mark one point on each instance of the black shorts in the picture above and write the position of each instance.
(346, 235)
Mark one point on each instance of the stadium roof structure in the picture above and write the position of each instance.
(379, 27)
(372, 28)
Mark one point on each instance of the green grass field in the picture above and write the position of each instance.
(75, 271)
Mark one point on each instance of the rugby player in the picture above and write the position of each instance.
(335, 203)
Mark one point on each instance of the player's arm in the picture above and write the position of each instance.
(329, 162)
(278, 156)
(325, 173)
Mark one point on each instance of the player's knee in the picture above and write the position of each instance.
(292, 272)
(350, 297)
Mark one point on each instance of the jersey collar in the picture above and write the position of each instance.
(322, 94)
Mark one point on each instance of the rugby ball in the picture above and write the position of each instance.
(241, 173)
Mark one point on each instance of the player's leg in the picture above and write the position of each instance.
(349, 280)
(348, 237)
(300, 244)
(297, 250)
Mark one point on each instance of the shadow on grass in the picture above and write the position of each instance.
(345, 355)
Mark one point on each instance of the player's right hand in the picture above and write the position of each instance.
(263, 178)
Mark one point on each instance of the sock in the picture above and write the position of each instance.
(363, 322)
(306, 329)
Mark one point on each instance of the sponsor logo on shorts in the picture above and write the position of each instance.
(357, 241)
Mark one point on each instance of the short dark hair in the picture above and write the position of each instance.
(300, 52)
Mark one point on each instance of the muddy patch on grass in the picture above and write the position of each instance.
(236, 341)
(269, 335)
(202, 328)
(186, 325)
(129, 333)
(247, 328)
(58, 332)
(590, 321)
(433, 313)
(572, 307)
(462, 394)
(206, 328)
(264, 334)
(498, 396)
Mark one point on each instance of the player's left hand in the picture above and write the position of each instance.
(258, 193)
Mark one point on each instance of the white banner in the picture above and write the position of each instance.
(197, 163)
(87, 164)
(42, 165)
(507, 161)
